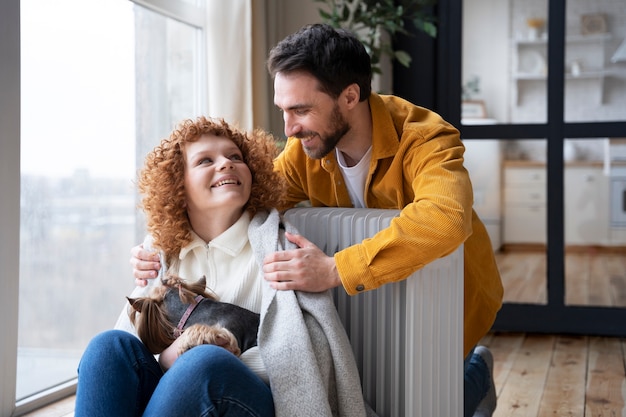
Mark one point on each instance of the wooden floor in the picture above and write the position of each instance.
(549, 375)
(535, 376)
(592, 277)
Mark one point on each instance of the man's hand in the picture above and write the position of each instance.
(146, 265)
(304, 269)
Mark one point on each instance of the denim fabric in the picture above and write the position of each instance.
(476, 382)
(118, 376)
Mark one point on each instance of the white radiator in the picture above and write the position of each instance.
(407, 337)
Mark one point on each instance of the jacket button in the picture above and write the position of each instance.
(360, 287)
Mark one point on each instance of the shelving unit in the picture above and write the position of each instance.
(530, 61)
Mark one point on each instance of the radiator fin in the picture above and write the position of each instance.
(407, 337)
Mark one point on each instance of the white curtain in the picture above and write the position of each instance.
(235, 62)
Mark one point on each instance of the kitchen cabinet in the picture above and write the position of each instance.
(587, 215)
(586, 205)
(584, 57)
(525, 204)
(483, 161)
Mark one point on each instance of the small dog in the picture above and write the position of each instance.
(186, 310)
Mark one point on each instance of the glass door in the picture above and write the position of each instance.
(543, 88)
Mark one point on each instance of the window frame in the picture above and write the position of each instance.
(10, 202)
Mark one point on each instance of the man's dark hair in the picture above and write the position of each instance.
(334, 56)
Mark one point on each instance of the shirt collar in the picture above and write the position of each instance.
(232, 241)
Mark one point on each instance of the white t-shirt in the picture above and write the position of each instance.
(355, 177)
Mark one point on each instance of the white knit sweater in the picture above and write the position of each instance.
(232, 273)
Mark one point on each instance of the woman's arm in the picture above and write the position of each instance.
(169, 356)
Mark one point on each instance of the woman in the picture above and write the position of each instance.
(208, 194)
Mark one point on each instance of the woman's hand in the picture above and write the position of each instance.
(146, 265)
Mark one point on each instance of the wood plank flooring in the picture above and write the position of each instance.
(523, 276)
(556, 375)
(535, 376)
(592, 277)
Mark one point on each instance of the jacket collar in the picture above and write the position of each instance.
(385, 139)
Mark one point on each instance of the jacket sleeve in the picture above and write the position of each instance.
(435, 220)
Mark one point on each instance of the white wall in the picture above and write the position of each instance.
(297, 13)
(283, 18)
(486, 29)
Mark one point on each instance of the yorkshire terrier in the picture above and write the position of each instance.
(178, 309)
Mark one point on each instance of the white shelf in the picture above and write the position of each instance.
(585, 75)
(600, 37)
(530, 61)
(573, 39)
(529, 77)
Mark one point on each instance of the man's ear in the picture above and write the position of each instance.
(351, 95)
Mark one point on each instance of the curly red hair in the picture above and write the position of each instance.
(161, 181)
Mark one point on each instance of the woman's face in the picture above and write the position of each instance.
(217, 180)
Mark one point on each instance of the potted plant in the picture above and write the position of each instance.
(376, 22)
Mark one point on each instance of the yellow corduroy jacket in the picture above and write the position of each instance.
(416, 166)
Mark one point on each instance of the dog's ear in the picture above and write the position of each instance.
(199, 288)
(136, 303)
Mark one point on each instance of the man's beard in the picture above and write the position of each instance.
(328, 142)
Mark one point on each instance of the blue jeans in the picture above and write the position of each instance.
(477, 381)
(118, 377)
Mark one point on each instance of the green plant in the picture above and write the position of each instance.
(370, 18)
(471, 87)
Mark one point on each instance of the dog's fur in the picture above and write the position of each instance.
(212, 322)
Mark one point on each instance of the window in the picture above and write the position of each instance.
(101, 83)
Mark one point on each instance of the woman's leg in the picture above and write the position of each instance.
(210, 381)
(116, 376)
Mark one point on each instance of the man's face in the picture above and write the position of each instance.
(309, 114)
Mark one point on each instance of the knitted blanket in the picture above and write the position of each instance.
(302, 342)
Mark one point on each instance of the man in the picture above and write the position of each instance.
(349, 147)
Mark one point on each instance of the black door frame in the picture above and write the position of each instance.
(437, 84)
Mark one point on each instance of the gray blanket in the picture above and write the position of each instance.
(303, 344)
